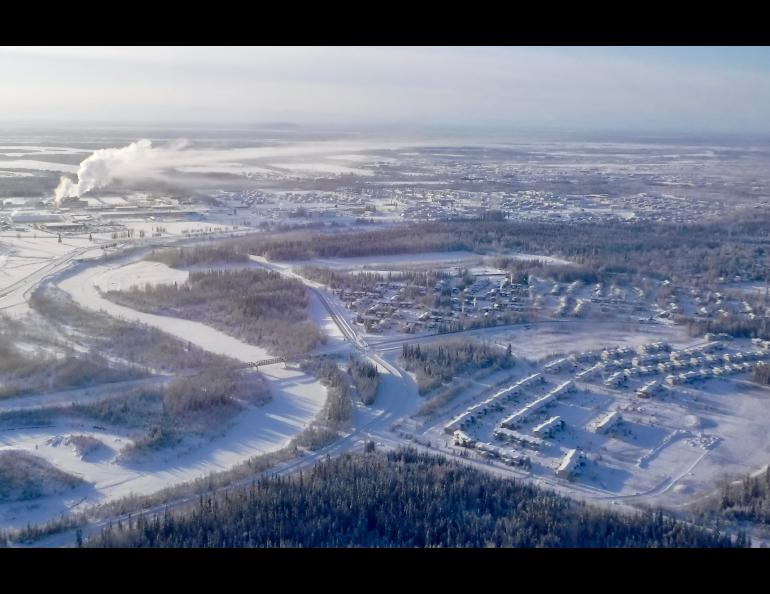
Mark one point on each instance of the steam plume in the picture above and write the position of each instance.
(103, 166)
(142, 160)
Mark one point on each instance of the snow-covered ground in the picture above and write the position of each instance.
(234, 168)
(38, 165)
(27, 251)
(20, 150)
(177, 228)
(138, 274)
(451, 258)
(667, 449)
(330, 168)
(541, 340)
(296, 399)
(61, 398)
(443, 258)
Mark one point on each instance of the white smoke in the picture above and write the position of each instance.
(142, 160)
(104, 165)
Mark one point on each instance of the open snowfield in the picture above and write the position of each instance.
(178, 228)
(329, 168)
(457, 257)
(538, 341)
(21, 150)
(25, 252)
(443, 259)
(232, 168)
(138, 274)
(297, 398)
(38, 165)
(9, 174)
(739, 413)
(321, 318)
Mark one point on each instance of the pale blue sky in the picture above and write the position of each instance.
(678, 89)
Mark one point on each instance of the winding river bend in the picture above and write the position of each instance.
(297, 398)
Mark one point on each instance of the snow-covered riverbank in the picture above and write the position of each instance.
(296, 400)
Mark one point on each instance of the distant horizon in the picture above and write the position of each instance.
(396, 130)
(651, 90)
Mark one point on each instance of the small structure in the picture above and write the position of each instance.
(571, 461)
(616, 379)
(558, 365)
(548, 427)
(519, 438)
(608, 422)
(587, 374)
(648, 389)
(460, 438)
(494, 402)
(521, 414)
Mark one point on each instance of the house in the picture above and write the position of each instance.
(489, 449)
(590, 372)
(521, 414)
(648, 389)
(608, 422)
(462, 439)
(570, 463)
(519, 438)
(548, 427)
(558, 365)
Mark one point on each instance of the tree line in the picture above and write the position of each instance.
(366, 378)
(213, 253)
(258, 306)
(439, 362)
(399, 499)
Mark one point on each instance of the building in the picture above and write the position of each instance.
(616, 379)
(558, 365)
(521, 414)
(462, 439)
(587, 374)
(570, 463)
(648, 389)
(494, 402)
(549, 427)
(608, 422)
(519, 438)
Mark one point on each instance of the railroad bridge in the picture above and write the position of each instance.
(271, 361)
(284, 359)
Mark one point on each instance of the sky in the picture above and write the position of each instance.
(656, 89)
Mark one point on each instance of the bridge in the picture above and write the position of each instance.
(285, 359)
(271, 361)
